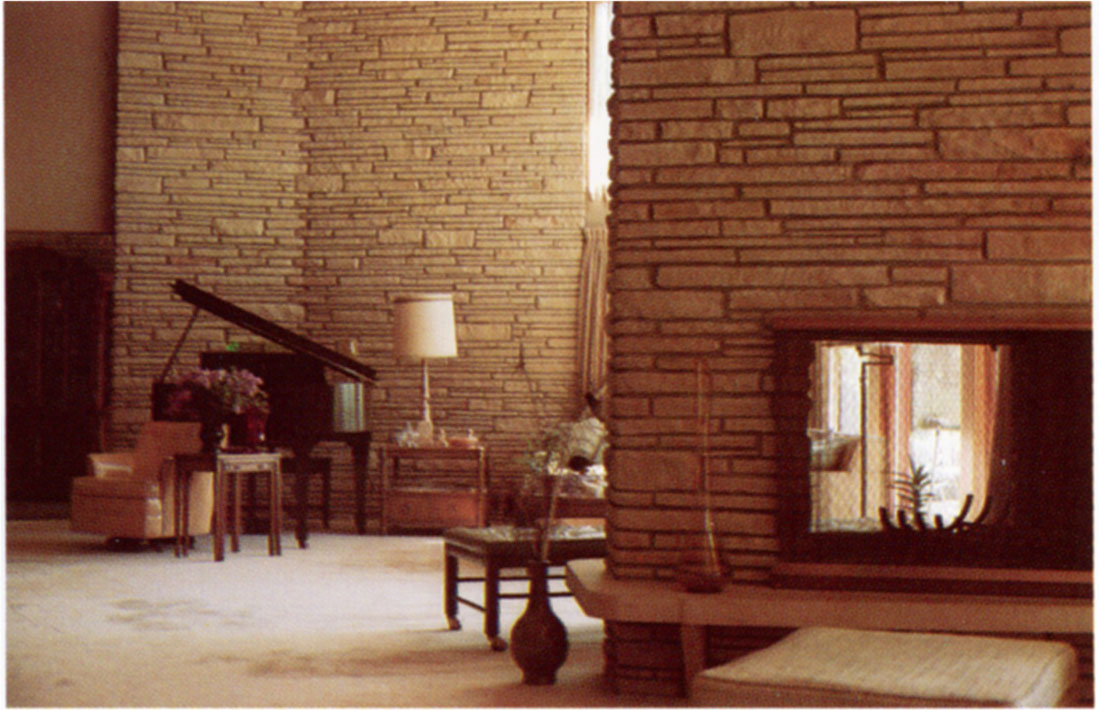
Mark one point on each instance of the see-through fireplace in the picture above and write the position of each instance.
(948, 459)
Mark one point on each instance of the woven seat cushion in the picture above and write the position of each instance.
(823, 666)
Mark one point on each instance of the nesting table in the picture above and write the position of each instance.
(501, 547)
(228, 466)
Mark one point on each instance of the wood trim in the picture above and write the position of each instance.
(1004, 582)
(914, 324)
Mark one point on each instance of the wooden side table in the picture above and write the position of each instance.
(236, 465)
(229, 465)
(433, 504)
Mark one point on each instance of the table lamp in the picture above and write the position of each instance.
(424, 328)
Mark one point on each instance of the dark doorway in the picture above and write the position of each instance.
(56, 325)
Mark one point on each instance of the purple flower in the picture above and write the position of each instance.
(233, 391)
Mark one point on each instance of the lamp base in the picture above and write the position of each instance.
(425, 432)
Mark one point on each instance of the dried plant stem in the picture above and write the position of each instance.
(551, 516)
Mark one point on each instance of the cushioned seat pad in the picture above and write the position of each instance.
(116, 487)
(840, 667)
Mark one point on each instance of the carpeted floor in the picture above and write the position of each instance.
(351, 621)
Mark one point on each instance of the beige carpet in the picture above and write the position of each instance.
(351, 621)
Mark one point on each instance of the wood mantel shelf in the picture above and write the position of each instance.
(647, 601)
(916, 323)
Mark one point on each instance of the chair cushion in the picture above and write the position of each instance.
(115, 487)
(823, 666)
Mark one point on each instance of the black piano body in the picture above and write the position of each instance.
(305, 408)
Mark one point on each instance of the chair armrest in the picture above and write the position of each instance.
(114, 464)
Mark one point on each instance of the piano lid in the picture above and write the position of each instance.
(273, 332)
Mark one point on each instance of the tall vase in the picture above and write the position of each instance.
(701, 569)
(538, 642)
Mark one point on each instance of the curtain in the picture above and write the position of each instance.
(593, 341)
(1001, 485)
(979, 415)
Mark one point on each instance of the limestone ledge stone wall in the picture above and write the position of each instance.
(309, 161)
(913, 160)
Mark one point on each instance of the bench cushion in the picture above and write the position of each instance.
(821, 666)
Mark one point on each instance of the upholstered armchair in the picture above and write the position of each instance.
(130, 495)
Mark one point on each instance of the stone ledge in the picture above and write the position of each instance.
(647, 601)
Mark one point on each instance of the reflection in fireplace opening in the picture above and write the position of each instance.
(898, 426)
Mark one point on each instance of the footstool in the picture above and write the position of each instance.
(500, 547)
(821, 666)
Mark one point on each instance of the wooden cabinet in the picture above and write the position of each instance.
(434, 488)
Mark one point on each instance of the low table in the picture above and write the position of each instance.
(501, 547)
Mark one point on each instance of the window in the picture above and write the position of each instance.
(599, 92)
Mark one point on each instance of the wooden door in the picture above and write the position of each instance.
(56, 346)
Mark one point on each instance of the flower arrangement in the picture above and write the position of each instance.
(232, 391)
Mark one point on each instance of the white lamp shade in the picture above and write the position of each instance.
(424, 326)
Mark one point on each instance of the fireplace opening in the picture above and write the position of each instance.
(919, 458)
(902, 434)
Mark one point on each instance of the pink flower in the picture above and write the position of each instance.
(234, 391)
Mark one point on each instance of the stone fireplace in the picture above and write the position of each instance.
(786, 168)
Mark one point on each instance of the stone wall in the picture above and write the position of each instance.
(901, 160)
(309, 161)
(910, 160)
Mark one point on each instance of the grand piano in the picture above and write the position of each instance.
(305, 408)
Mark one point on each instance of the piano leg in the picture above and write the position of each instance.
(302, 465)
(360, 455)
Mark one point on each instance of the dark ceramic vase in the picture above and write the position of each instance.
(246, 431)
(538, 643)
(211, 432)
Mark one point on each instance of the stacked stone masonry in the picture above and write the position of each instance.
(910, 160)
(309, 161)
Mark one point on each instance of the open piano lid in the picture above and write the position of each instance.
(273, 332)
